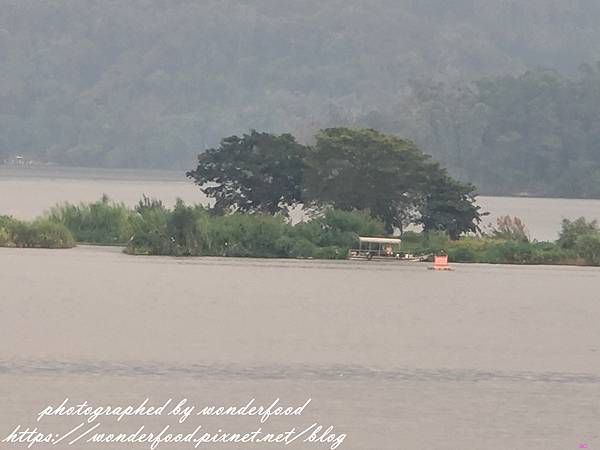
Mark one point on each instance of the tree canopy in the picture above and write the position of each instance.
(366, 169)
(449, 205)
(256, 172)
(347, 169)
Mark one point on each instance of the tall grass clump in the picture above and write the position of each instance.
(157, 230)
(510, 229)
(100, 222)
(195, 231)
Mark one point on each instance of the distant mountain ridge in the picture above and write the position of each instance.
(150, 83)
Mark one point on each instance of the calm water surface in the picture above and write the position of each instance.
(397, 356)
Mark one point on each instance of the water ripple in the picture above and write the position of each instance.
(282, 372)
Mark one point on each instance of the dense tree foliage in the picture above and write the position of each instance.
(256, 172)
(449, 205)
(347, 168)
(368, 170)
(149, 83)
(391, 178)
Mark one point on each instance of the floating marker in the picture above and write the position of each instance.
(440, 262)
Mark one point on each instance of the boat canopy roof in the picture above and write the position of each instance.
(379, 240)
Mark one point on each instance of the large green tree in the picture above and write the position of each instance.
(449, 205)
(347, 168)
(366, 170)
(388, 176)
(258, 172)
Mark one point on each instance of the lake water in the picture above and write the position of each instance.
(28, 192)
(394, 355)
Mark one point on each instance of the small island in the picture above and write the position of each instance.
(352, 182)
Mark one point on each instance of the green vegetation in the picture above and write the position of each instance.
(259, 172)
(578, 244)
(347, 168)
(487, 249)
(41, 233)
(153, 229)
(510, 229)
(101, 222)
(194, 231)
(354, 168)
(582, 237)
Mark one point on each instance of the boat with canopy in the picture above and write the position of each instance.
(381, 249)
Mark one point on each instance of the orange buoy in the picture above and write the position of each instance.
(440, 262)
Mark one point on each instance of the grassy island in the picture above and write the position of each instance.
(151, 228)
(352, 181)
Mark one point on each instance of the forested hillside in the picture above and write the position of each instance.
(150, 83)
(537, 133)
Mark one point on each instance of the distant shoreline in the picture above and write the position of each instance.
(102, 173)
(67, 172)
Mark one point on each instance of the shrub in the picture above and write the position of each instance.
(47, 234)
(301, 248)
(588, 247)
(552, 253)
(339, 229)
(572, 230)
(436, 241)
(486, 249)
(41, 233)
(462, 254)
(514, 252)
(255, 235)
(4, 237)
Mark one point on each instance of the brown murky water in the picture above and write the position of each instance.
(396, 356)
